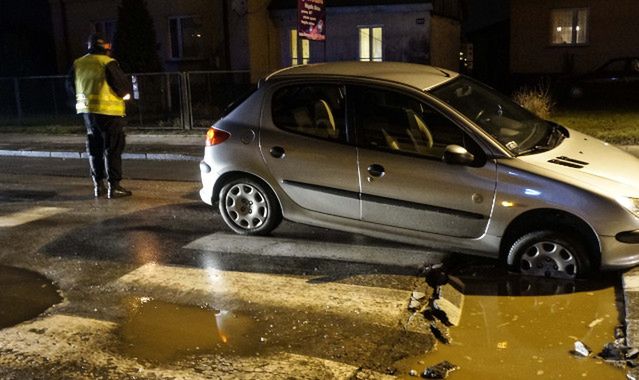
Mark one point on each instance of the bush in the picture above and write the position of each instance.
(536, 100)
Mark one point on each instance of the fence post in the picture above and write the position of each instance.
(16, 90)
(55, 101)
(187, 116)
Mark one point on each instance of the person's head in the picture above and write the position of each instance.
(98, 44)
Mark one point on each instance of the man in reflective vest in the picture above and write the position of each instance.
(100, 89)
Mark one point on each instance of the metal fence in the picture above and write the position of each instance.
(159, 100)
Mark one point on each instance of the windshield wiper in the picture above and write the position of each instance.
(555, 137)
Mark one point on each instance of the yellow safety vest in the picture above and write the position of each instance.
(93, 94)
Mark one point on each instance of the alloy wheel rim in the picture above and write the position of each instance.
(549, 259)
(246, 206)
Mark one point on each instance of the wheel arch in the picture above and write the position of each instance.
(550, 219)
(229, 176)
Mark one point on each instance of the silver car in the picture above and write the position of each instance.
(426, 156)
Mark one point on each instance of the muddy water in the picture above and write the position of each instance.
(159, 331)
(24, 295)
(528, 337)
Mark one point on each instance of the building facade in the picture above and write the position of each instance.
(190, 34)
(261, 35)
(571, 36)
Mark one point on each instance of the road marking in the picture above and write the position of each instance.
(29, 215)
(233, 290)
(62, 339)
(271, 246)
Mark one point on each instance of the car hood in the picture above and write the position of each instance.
(592, 164)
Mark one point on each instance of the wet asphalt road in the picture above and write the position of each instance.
(121, 262)
(141, 298)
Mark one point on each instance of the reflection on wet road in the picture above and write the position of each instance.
(529, 337)
(159, 331)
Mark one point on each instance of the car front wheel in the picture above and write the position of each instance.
(248, 207)
(549, 254)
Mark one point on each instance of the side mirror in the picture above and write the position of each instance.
(457, 155)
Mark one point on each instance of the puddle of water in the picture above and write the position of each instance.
(158, 331)
(530, 336)
(24, 295)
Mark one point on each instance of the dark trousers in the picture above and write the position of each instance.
(105, 144)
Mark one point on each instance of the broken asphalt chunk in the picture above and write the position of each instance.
(439, 370)
(450, 302)
(440, 331)
(581, 350)
(613, 352)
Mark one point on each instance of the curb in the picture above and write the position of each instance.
(630, 284)
(125, 156)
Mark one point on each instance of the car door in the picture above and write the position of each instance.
(404, 181)
(304, 142)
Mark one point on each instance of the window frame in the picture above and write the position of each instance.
(421, 98)
(574, 26)
(345, 138)
(180, 38)
(371, 43)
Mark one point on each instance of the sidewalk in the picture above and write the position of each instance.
(139, 146)
(175, 147)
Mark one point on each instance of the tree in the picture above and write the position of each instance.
(135, 45)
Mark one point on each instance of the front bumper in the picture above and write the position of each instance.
(617, 254)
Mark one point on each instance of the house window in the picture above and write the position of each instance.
(106, 28)
(186, 37)
(299, 45)
(569, 26)
(370, 43)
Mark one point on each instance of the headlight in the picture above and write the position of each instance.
(630, 204)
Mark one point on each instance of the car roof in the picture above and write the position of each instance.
(422, 77)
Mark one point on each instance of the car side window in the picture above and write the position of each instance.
(311, 110)
(391, 121)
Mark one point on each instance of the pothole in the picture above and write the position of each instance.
(159, 331)
(24, 295)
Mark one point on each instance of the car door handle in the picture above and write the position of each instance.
(277, 152)
(376, 170)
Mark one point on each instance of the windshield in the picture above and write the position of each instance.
(519, 130)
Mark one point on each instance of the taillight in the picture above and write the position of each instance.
(216, 136)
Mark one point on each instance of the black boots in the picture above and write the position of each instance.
(113, 190)
(98, 188)
(117, 191)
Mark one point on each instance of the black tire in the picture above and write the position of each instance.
(248, 207)
(549, 254)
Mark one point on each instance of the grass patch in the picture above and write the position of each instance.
(613, 126)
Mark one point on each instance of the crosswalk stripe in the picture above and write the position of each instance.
(29, 215)
(86, 339)
(228, 290)
(271, 246)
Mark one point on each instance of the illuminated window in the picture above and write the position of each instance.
(186, 37)
(297, 45)
(370, 43)
(106, 28)
(569, 26)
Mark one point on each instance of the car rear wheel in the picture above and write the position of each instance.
(549, 254)
(249, 207)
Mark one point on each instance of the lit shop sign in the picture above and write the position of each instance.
(311, 18)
